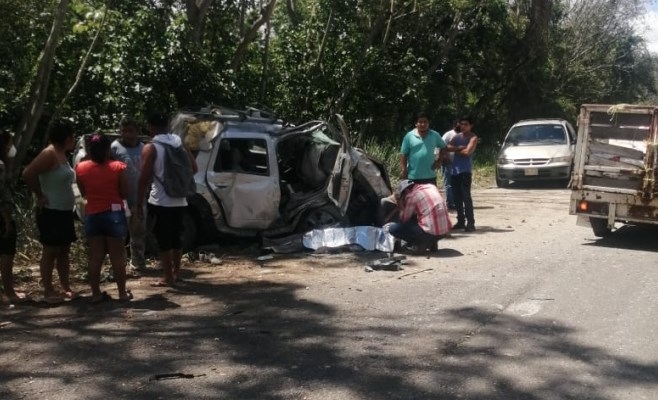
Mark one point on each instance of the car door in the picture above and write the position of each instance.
(244, 177)
(341, 181)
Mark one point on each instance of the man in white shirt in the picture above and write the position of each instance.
(167, 211)
(446, 168)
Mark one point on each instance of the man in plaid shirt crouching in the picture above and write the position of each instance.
(424, 216)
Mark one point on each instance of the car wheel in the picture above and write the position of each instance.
(321, 217)
(190, 231)
(600, 227)
(501, 183)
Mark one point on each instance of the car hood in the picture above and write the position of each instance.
(547, 151)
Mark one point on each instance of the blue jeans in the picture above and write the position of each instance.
(446, 171)
(461, 184)
(412, 233)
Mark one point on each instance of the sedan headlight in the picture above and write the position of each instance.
(503, 161)
(561, 159)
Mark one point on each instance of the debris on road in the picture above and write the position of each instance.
(414, 273)
(393, 263)
(177, 375)
(284, 245)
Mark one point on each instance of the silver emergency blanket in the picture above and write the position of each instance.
(368, 237)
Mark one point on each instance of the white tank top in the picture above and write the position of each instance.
(158, 196)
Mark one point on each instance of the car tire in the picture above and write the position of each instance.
(501, 183)
(321, 217)
(600, 227)
(190, 231)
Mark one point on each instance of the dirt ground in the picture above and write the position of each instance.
(528, 306)
(235, 262)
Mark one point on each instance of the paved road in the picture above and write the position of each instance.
(530, 306)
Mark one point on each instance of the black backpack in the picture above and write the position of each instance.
(178, 176)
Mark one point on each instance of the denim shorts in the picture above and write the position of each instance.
(108, 223)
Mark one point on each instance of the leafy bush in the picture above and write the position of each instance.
(388, 152)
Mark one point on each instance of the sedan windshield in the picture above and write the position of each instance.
(533, 135)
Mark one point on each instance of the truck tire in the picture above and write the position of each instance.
(600, 227)
(321, 217)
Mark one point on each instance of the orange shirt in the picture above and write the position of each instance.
(101, 185)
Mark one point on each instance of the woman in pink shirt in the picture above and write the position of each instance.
(104, 183)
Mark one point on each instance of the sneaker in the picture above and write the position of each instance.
(459, 225)
(133, 271)
(433, 247)
(414, 249)
(470, 228)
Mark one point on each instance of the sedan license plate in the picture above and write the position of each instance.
(531, 172)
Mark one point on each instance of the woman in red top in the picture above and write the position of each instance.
(104, 183)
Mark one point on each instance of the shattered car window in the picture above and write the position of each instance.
(306, 160)
(248, 156)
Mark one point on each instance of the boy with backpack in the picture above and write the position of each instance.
(169, 166)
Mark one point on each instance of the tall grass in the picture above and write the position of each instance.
(388, 152)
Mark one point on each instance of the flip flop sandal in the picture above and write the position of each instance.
(20, 300)
(104, 297)
(129, 296)
(72, 296)
(53, 299)
(161, 283)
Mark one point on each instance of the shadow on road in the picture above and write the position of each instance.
(540, 185)
(261, 340)
(480, 229)
(630, 237)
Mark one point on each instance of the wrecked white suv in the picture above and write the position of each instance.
(260, 177)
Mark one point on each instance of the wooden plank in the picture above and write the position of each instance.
(620, 119)
(607, 182)
(594, 188)
(609, 132)
(616, 170)
(621, 151)
(608, 160)
(613, 173)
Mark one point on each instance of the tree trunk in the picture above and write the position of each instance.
(318, 60)
(78, 78)
(266, 64)
(243, 13)
(39, 88)
(292, 12)
(540, 19)
(250, 35)
(375, 31)
(447, 42)
(196, 17)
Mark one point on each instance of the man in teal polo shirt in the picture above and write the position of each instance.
(418, 152)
